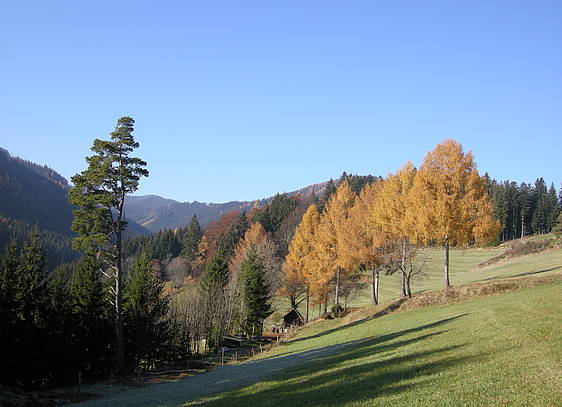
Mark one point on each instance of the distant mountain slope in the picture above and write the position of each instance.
(33, 197)
(156, 213)
(32, 194)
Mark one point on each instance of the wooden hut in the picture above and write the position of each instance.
(292, 318)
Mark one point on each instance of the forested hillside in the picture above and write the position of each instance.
(524, 209)
(33, 194)
(36, 195)
(156, 213)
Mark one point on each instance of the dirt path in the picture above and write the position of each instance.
(219, 380)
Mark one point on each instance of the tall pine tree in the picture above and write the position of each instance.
(99, 192)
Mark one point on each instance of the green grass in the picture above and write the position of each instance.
(461, 261)
(463, 270)
(502, 350)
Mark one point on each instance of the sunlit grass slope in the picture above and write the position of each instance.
(463, 270)
(461, 262)
(502, 350)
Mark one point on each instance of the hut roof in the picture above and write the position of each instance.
(292, 316)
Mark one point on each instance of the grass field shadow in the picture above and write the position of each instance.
(372, 367)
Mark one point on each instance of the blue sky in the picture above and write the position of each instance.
(240, 100)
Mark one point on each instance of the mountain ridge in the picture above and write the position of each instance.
(36, 194)
(155, 212)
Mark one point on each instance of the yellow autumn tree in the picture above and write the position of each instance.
(297, 262)
(201, 256)
(254, 236)
(328, 260)
(390, 213)
(362, 241)
(449, 201)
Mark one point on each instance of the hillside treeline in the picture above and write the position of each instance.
(524, 209)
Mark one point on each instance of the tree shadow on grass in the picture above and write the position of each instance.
(353, 373)
(387, 310)
(333, 385)
(528, 273)
(378, 339)
(323, 371)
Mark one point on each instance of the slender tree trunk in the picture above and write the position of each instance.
(402, 268)
(408, 287)
(118, 310)
(447, 283)
(119, 286)
(307, 303)
(377, 283)
(326, 304)
(373, 296)
(337, 296)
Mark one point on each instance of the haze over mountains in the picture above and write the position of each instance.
(156, 213)
(33, 194)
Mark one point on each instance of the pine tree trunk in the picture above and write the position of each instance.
(118, 310)
(337, 296)
(447, 283)
(402, 268)
(118, 287)
(374, 300)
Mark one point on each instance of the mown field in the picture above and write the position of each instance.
(502, 350)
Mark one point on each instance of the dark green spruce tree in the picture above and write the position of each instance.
(540, 215)
(146, 308)
(552, 208)
(8, 307)
(255, 293)
(191, 239)
(89, 312)
(274, 213)
(216, 274)
(58, 348)
(31, 313)
(329, 191)
(99, 192)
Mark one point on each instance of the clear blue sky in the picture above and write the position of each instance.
(239, 100)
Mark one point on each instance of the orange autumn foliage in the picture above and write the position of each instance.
(449, 199)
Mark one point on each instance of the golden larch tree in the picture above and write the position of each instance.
(390, 212)
(449, 201)
(253, 237)
(329, 260)
(297, 262)
(362, 241)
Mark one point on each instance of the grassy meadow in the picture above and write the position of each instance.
(502, 350)
(463, 270)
